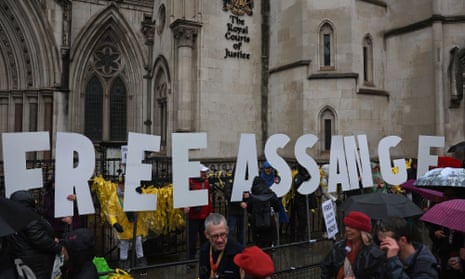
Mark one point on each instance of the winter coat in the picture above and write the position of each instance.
(35, 244)
(117, 215)
(227, 269)
(262, 237)
(269, 180)
(260, 191)
(369, 262)
(7, 266)
(422, 264)
(80, 245)
(200, 212)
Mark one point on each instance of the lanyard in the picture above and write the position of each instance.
(214, 266)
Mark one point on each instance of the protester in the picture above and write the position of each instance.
(301, 205)
(7, 266)
(271, 177)
(35, 245)
(64, 224)
(405, 259)
(80, 245)
(356, 255)
(123, 223)
(262, 206)
(447, 246)
(216, 258)
(254, 263)
(197, 215)
(237, 212)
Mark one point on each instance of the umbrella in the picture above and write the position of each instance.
(457, 147)
(380, 205)
(450, 214)
(442, 177)
(14, 216)
(432, 195)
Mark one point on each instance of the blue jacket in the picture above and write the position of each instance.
(421, 265)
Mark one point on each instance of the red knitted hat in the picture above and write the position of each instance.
(358, 220)
(255, 262)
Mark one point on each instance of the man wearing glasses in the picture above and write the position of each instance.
(216, 258)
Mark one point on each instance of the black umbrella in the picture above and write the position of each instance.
(380, 205)
(457, 147)
(14, 216)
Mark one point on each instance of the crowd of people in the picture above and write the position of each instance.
(369, 248)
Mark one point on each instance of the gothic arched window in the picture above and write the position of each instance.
(367, 60)
(161, 106)
(327, 47)
(327, 128)
(118, 111)
(94, 110)
(106, 96)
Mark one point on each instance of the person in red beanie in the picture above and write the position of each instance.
(254, 263)
(356, 256)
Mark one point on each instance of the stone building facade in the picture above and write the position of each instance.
(349, 67)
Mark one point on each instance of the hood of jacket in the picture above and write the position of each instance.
(259, 186)
(26, 198)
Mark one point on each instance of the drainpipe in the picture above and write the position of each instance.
(265, 13)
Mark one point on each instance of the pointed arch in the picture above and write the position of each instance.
(327, 45)
(367, 59)
(107, 46)
(118, 108)
(327, 122)
(93, 115)
(162, 106)
(30, 54)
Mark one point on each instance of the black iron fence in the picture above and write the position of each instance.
(172, 247)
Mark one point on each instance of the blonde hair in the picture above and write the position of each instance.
(367, 238)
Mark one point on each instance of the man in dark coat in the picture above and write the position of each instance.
(80, 244)
(35, 244)
(405, 259)
(7, 266)
(217, 255)
(263, 237)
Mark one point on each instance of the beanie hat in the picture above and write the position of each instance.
(358, 220)
(255, 262)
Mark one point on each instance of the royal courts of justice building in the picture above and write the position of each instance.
(342, 67)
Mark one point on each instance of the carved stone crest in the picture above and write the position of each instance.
(238, 7)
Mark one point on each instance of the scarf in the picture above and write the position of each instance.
(351, 256)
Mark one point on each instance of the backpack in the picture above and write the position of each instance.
(262, 214)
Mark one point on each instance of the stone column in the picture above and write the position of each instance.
(148, 29)
(185, 34)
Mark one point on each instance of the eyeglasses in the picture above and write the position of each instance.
(223, 235)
